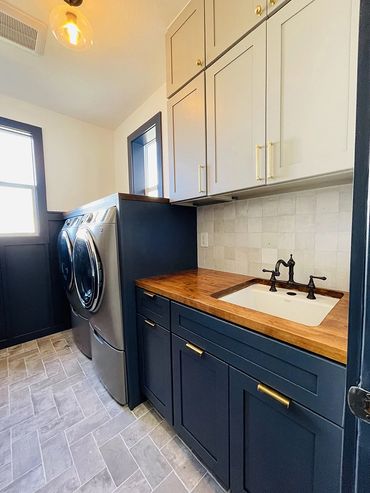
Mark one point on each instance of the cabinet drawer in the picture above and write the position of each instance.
(201, 404)
(154, 307)
(314, 382)
(155, 365)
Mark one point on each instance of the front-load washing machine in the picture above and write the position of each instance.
(79, 315)
(97, 277)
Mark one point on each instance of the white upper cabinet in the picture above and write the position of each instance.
(185, 46)
(187, 142)
(227, 21)
(236, 116)
(311, 88)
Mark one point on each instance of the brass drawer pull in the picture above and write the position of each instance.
(150, 295)
(195, 349)
(149, 322)
(285, 401)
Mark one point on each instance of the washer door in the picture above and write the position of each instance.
(65, 259)
(88, 271)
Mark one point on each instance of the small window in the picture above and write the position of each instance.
(22, 182)
(145, 159)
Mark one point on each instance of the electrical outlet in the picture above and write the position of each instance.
(204, 240)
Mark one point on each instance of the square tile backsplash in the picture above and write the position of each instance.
(248, 235)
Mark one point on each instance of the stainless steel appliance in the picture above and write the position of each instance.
(79, 315)
(97, 277)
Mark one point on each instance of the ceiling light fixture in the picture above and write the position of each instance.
(70, 27)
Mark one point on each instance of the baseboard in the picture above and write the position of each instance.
(30, 336)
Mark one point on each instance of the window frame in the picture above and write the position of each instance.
(155, 121)
(40, 204)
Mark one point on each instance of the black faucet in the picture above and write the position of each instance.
(311, 287)
(274, 274)
(290, 264)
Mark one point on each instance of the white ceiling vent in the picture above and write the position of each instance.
(21, 29)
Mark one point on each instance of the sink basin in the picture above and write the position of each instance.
(295, 307)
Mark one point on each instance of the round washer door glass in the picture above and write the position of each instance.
(87, 270)
(65, 259)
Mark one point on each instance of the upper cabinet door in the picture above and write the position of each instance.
(185, 50)
(236, 116)
(187, 142)
(311, 88)
(274, 4)
(226, 22)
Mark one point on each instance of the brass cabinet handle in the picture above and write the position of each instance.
(196, 349)
(258, 149)
(258, 10)
(150, 295)
(285, 401)
(270, 159)
(149, 322)
(199, 63)
(201, 167)
(273, 2)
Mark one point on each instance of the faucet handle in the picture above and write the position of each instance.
(311, 286)
(274, 275)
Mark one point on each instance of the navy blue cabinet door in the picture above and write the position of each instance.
(155, 357)
(201, 410)
(279, 450)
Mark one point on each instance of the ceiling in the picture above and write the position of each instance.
(105, 84)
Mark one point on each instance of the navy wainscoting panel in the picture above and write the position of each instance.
(32, 301)
(279, 450)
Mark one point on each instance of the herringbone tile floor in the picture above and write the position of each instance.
(60, 431)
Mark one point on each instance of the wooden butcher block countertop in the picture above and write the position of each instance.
(197, 289)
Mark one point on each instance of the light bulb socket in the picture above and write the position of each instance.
(74, 3)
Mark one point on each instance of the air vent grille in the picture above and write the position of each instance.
(17, 32)
(20, 28)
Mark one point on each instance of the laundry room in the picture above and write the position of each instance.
(184, 246)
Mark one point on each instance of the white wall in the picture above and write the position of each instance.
(79, 164)
(157, 102)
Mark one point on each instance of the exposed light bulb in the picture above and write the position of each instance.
(71, 28)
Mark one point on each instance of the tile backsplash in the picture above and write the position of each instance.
(248, 235)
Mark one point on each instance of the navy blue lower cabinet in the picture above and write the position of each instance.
(201, 404)
(155, 359)
(275, 449)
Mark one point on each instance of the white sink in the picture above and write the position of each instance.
(297, 308)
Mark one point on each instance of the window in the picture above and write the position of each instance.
(22, 181)
(145, 159)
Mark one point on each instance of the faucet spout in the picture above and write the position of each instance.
(290, 265)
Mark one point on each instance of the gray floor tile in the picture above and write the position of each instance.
(59, 344)
(135, 484)
(59, 424)
(101, 483)
(142, 409)
(89, 401)
(66, 401)
(48, 382)
(20, 399)
(42, 400)
(71, 366)
(68, 382)
(111, 405)
(186, 465)
(5, 475)
(56, 456)
(86, 426)
(35, 366)
(119, 461)
(151, 461)
(87, 458)
(34, 423)
(10, 420)
(67, 482)
(26, 454)
(4, 411)
(208, 485)
(141, 427)
(22, 384)
(115, 425)
(21, 356)
(162, 434)
(5, 447)
(29, 482)
(45, 346)
(170, 485)
(4, 395)
(53, 366)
